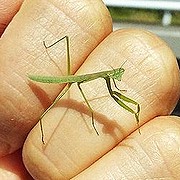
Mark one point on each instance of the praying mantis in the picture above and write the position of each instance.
(109, 77)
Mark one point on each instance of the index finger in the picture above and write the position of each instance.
(22, 52)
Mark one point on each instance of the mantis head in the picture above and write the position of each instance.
(117, 73)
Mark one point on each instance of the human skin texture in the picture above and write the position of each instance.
(72, 149)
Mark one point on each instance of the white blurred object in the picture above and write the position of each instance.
(166, 5)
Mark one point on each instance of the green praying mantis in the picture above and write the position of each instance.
(109, 77)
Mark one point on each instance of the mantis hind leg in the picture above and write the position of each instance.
(67, 48)
(50, 107)
(62, 93)
(90, 109)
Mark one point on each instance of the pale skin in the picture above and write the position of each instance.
(151, 78)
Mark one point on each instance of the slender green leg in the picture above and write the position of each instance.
(91, 110)
(64, 90)
(48, 109)
(67, 48)
(121, 90)
(118, 97)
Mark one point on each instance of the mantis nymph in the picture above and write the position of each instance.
(108, 76)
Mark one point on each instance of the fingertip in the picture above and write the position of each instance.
(154, 153)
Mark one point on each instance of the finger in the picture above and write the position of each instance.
(11, 167)
(22, 53)
(152, 155)
(7, 11)
(71, 143)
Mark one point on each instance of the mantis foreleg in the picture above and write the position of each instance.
(119, 98)
(117, 87)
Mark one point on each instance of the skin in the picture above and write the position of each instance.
(72, 147)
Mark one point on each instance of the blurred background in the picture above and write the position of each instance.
(161, 17)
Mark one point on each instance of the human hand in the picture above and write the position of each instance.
(151, 78)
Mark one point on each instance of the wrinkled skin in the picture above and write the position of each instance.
(72, 149)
